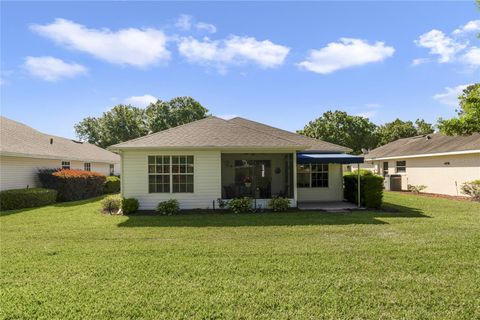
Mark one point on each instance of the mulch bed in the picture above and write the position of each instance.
(435, 195)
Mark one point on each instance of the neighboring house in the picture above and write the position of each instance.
(442, 163)
(202, 161)
(24, 150)
(363, 166)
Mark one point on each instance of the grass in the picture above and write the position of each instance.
(417, 260)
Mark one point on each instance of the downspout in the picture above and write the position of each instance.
(121, 172)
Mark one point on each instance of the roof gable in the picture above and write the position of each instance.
(207, 133)
(426, 144)
(21, 140)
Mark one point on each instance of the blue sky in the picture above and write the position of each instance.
(279, 63)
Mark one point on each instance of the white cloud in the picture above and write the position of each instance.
(136, 47)
(210, 28)
(472, 57)
(141, 101)
(471, 26)
(450, 96)
(184, 22)
(346, 53)
(419, 61)
(52, 69)
(453, 48)
(439, 44)
(234, 50)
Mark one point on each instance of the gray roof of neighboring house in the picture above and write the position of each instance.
(314, 144)
(426, 144)
(213, 132)
(17, 139)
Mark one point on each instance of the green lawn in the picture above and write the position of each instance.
(417, 260)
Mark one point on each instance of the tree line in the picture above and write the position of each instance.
(125, 122)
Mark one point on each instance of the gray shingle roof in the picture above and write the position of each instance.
(419, 145)
(213, 132)
(19, 139)
(315, 144)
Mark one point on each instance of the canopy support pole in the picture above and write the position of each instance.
(358, 183)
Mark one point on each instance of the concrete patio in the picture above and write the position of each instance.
(329, 206)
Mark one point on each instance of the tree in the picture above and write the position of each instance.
(125, 122)
(162, 115)
(338, 127)
(468, 120)
(399, 129)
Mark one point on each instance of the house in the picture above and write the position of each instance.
(441, 163)
(24, 150)
(209, 159)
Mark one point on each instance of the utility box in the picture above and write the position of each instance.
(396, 182)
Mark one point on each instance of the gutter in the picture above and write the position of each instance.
(452, 153)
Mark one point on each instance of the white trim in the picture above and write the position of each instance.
(425, 155)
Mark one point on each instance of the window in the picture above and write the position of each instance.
(87, 166)
(401, 166)
(158, 174)
(312, 175)
(385, 169)
(170, 174)
(112, 169)
(182, 174)
(65, 164)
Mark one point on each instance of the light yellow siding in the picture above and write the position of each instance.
(334, 192)
(207, 179)
(441, 174)
(17, 172)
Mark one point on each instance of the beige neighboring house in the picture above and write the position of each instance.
(24, 150)
(442, 163)
(202, 161)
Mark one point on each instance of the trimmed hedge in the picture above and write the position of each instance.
(112, 185)
(371, 189)
(73, 184)
(111, 204)
(26, 198)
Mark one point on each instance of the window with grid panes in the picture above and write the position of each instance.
(158, 174)
(182, 174)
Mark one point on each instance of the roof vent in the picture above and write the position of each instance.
(51, 140)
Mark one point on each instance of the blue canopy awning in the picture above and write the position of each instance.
(342, 158)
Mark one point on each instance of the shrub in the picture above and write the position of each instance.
(73, 184)
(222, 204)
(129, 205)
(240, 205)
(472, 189)
(279, 204)
(371, 189)
(112, 204)
(26, 198)
(416, 189)
(168, 207)
(112, 185)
